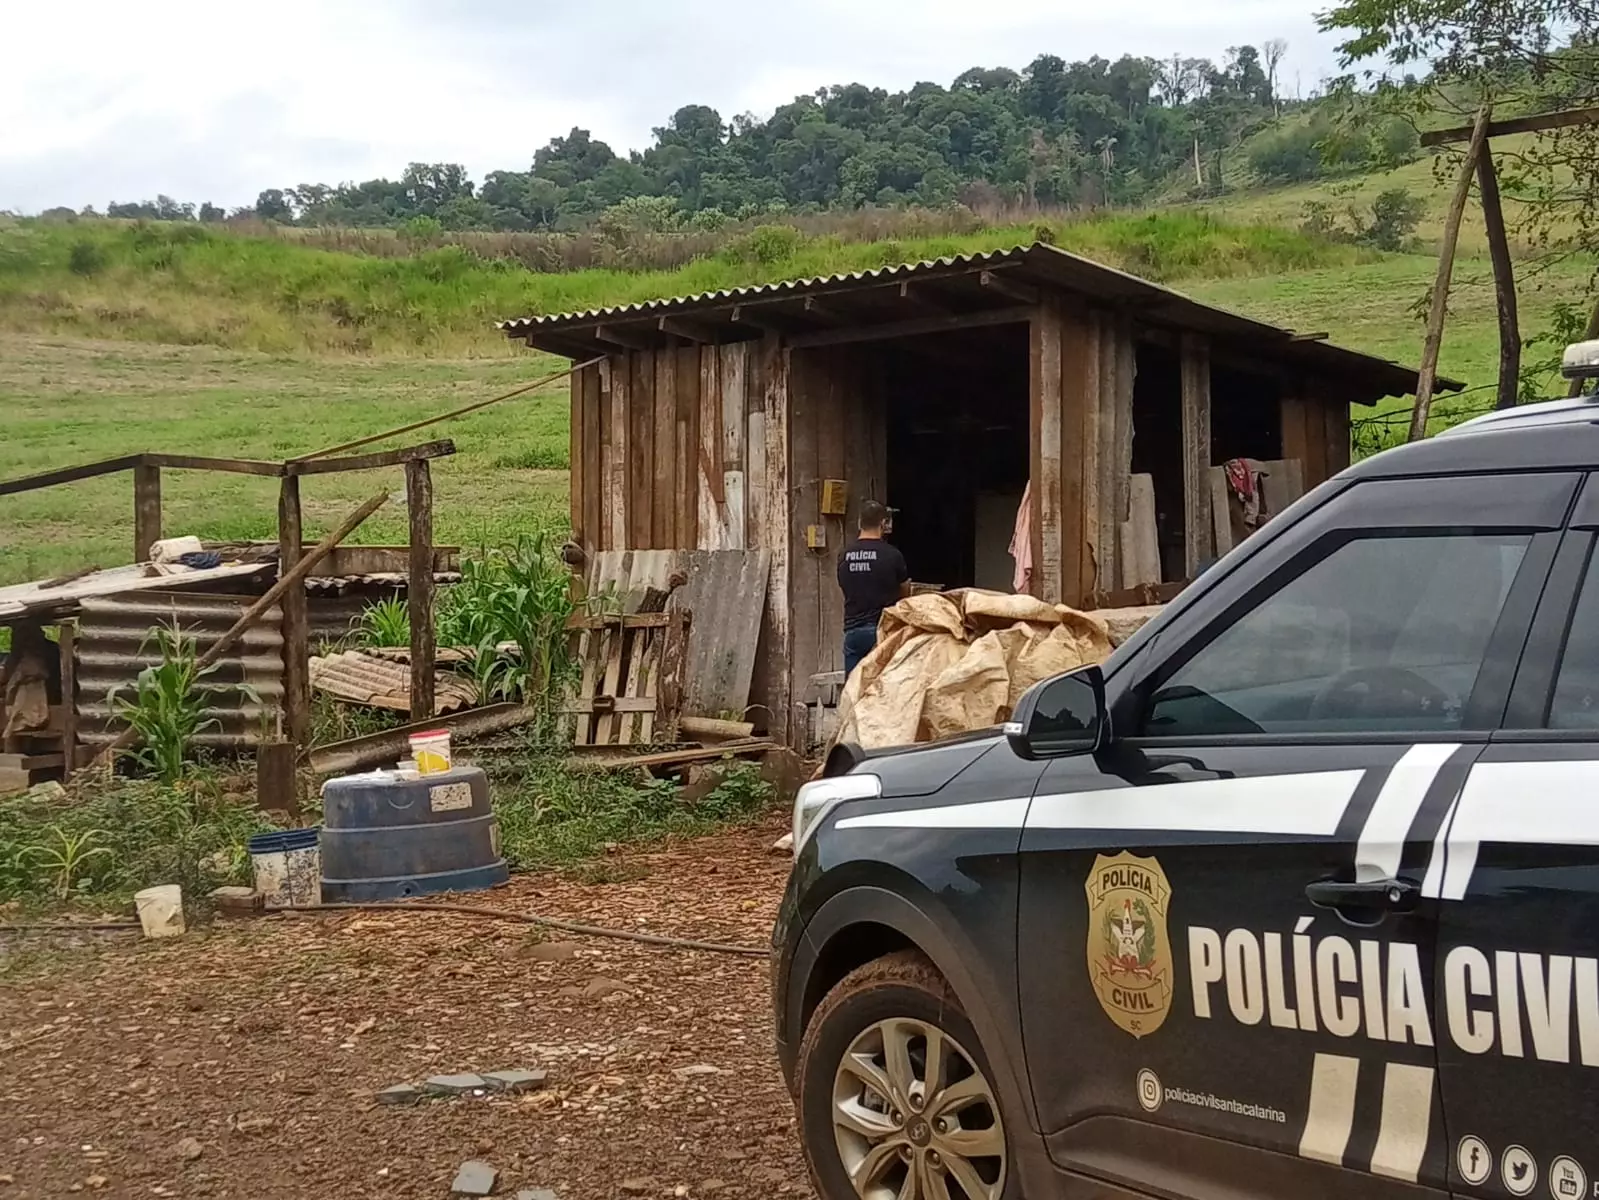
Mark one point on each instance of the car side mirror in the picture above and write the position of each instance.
(1063, 716)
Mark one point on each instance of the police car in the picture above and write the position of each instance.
(1298, 895)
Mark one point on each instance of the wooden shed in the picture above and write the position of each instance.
(764, 416)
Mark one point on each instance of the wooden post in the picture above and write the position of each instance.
(296, 625)
(146, 511)
(777, 506)
(1045, 449)
(67, 632)
(419, 503)
(277, 787)
(1196, 453)
(1427, 378)
(1493, 212)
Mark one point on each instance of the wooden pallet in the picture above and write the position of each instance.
(631, 687)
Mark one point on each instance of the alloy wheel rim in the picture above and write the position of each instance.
(914, 1118)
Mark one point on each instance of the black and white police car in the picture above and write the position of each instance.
(1297, 896)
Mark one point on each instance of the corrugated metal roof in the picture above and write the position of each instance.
(111, 651)
(1152, 303)
(786, 287)
(365, 679)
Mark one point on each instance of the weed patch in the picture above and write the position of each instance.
(553, 816)
(101, 846)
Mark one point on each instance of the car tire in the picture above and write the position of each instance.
(880, 1118)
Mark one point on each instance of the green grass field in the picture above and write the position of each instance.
(70, 400)
(265, 349)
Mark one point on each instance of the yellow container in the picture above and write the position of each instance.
(431, 752)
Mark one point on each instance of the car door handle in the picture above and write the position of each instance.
(1371, 900)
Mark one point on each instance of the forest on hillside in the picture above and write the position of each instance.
(1087, 134)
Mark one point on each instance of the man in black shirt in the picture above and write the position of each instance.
(873, 576)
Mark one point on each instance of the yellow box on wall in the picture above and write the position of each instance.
(835, 497)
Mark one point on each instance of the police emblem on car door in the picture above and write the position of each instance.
(1129, 957)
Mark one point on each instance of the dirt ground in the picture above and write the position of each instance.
(265, 1041)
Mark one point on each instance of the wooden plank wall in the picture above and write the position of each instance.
(1316, 432)
(1082, 366)
(685, 448)
(838, 430)
(661, 455)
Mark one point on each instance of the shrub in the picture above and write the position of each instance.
(1287, 155)
(766, 245)
(385, 623)
(87, 258)
(1398, 142)
(1394, 217)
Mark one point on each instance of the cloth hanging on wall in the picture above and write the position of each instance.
(1021, 543)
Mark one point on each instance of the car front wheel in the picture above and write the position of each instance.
(896, 1099)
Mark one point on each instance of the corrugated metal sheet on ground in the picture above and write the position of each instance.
(114, 645)
(366, 679)
(23, 599)
(726, 592)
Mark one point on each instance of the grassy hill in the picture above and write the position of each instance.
(189, 284)
(121, 337)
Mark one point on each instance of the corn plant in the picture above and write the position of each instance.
(518, 595)
(385, 623)
(167, 708)
(66, 856)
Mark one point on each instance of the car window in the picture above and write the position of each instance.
(1576, 699)
(1385, 634)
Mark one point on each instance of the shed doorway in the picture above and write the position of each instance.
(1245, 422)
(958, 454)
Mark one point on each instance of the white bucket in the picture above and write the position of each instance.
(431, 752)
(160, 910)
(287, 867)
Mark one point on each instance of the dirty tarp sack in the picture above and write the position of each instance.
(950, 662)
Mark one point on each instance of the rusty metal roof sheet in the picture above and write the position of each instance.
(365, 679)
(1037, 264)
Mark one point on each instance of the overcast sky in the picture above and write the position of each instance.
(103, 100)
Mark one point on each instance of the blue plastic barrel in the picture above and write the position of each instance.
(386, 838)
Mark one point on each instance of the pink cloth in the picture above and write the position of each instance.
(1021, 543)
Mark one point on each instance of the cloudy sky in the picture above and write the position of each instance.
(105, 100)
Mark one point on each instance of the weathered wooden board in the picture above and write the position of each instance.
(628, 693)
(686, 468)
(711, 507)
(663, 516)
(1140, 543)
(1045, 351)
(1197, 532)
(726, 593)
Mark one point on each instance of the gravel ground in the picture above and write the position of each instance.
(243, 1060)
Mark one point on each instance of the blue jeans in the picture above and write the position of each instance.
(858, 643)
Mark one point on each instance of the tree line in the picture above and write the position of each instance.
(1081, 135)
